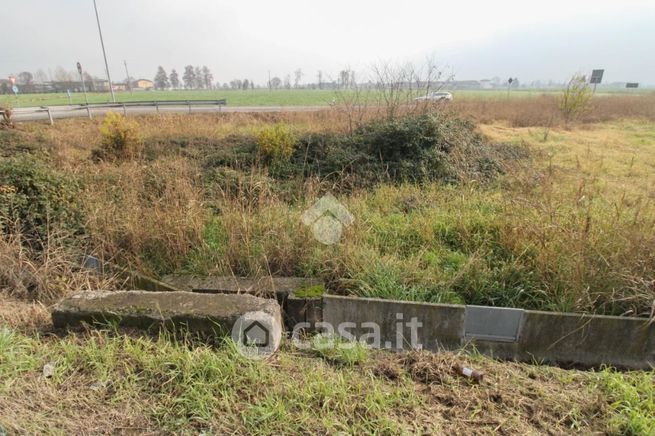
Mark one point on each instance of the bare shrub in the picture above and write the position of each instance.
(576, 98)
(391, 90)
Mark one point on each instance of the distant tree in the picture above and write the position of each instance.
(40, 76)
(320, 79)
(189, 77)
(207, 77)
(200, 83)
(245, 85)
(89, 83)
(276, 82)
(26, 81)
(287, 81)
(62, 75)
(161, 79)
(344, 78)
(236, 84)
(252, 85)
(25, 78)
(174, 79)
(297, 76)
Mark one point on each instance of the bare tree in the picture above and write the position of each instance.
(320, 79)
(40, 76)
(297, 76)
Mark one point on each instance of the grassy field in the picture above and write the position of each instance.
(111, 381)
(258, 97)
(521, 209)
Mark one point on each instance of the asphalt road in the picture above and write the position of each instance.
(59, 112)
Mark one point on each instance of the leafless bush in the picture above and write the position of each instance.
(391, 89)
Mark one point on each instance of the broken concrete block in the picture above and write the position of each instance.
(280, 287)
(205, 313)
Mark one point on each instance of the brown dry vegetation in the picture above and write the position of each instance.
(566, 229)
(568, 226)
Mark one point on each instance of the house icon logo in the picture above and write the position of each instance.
(257, 335)
(326, 218)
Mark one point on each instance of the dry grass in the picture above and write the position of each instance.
(544, 110)
(138, 211)
(24, 316)
(513, 398)
(46, 273)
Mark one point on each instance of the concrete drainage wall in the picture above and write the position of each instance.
(523, 335)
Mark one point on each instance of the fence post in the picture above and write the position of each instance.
(157, 106)
(88, 111)
(189, 103)
(124, 110)
(52, 122)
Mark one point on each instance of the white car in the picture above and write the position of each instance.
(436, 96)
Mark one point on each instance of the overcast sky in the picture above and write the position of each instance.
(247, 38)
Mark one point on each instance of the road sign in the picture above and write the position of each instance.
(632, 85)
(596, 77)
(79, 68)
(14, 89)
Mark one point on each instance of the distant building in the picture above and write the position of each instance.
(143, 84)
(119, 86)
(486, 84)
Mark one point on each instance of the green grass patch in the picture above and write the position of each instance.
(314, 291)
(632, 399)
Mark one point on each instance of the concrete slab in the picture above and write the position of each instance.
(262, 286)
(441, 325)
(550, 337)
(204, 313)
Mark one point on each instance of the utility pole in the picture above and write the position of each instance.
(270, 87)
(102, 43)
(127, 81)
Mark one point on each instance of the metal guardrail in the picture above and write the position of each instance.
(124, 106)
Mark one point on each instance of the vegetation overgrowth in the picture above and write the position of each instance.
(497, 203)
(548, 217)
